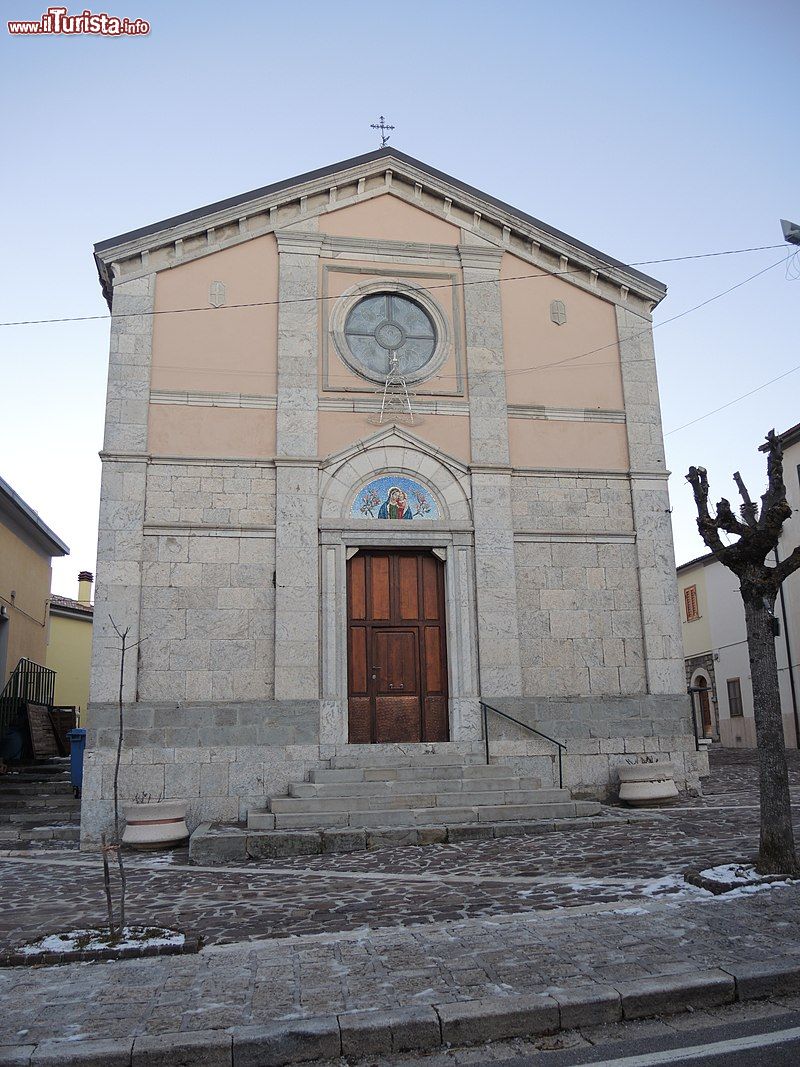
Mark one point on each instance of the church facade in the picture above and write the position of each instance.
(378, 448)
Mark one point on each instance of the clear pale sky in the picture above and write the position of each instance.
(647, 131)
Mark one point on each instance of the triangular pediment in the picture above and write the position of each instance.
(393, 450)
(293, 203)
(392, 436)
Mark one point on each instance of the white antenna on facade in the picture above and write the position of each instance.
(395, 393)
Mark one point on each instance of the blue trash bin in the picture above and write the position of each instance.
(77, 744)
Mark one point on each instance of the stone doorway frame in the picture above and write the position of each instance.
(455, 548)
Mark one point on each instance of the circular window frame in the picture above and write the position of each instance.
(345, 303)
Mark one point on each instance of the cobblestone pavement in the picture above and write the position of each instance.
(399, 925)
(241, 985)
(399, 886)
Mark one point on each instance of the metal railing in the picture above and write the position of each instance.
(486, 708)
(29, 683)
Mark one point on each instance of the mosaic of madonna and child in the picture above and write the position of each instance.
(394, 497)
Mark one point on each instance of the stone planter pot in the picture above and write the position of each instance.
(160, 825)
(647, 784)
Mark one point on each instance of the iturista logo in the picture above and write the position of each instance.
(57, 20)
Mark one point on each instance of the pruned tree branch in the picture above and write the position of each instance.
(787, 566)
(774, 507)
(727, 521)
(709, 530)
(749, 510)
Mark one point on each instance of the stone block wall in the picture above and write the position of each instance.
(223, 758)
(210, 494)
(208, 593)
(579, 619)
(550, 503)
(600, 735)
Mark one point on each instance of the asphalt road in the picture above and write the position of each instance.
(774, 1041)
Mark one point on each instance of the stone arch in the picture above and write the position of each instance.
(705, 703)
(700, 678)
(344, 475)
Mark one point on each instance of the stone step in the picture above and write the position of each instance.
(22, 836)
(53, 783)
(426, 816)
(39, 802)
(382, 787)
(12, 786)
(461, 799)
(432, 772)
(39, 769)
(388, 755)
(218, 845)
(50, 835)
(39, 818)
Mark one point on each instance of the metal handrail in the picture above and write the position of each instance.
(29, 683)
(486, 708)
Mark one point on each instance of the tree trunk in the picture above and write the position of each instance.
(776, 854)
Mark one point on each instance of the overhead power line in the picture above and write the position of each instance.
(321, 299)
(519, 370)
(657, 325)
(730, 403)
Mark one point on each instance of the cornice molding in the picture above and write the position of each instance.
(299, 243)
(213, 400)
(602, 537)
(194, 530)
(400, 251)
(288, 204)
(494, 468)
(370, 405)
(524, 411)
(475, 257)
(296, 461)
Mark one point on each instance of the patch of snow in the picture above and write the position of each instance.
(672, 884)
(759, 887)
(732, 872)
(630, 911)
(133, 937)
(580, 885)
(156, 859)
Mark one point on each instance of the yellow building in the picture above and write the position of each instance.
(27, 546)
(69, 648)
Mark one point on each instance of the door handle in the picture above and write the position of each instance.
(400, 686)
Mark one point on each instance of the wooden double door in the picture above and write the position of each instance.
(396, 647)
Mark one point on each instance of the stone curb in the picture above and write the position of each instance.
(718, 886)
(190, 946)
(422, 1027)
(217, 844)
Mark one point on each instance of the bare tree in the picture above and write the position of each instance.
(758, 531)
(116, 846)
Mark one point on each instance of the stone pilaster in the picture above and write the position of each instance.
(296, 581)
(495, 573)
(297, 479)
(483, 312)
(333, 681)
(121, 523)
(496, 583)
(465, 717)
(661, 625)
(298, 344)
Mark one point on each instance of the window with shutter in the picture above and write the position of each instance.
(690, 602)
(735, 698)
